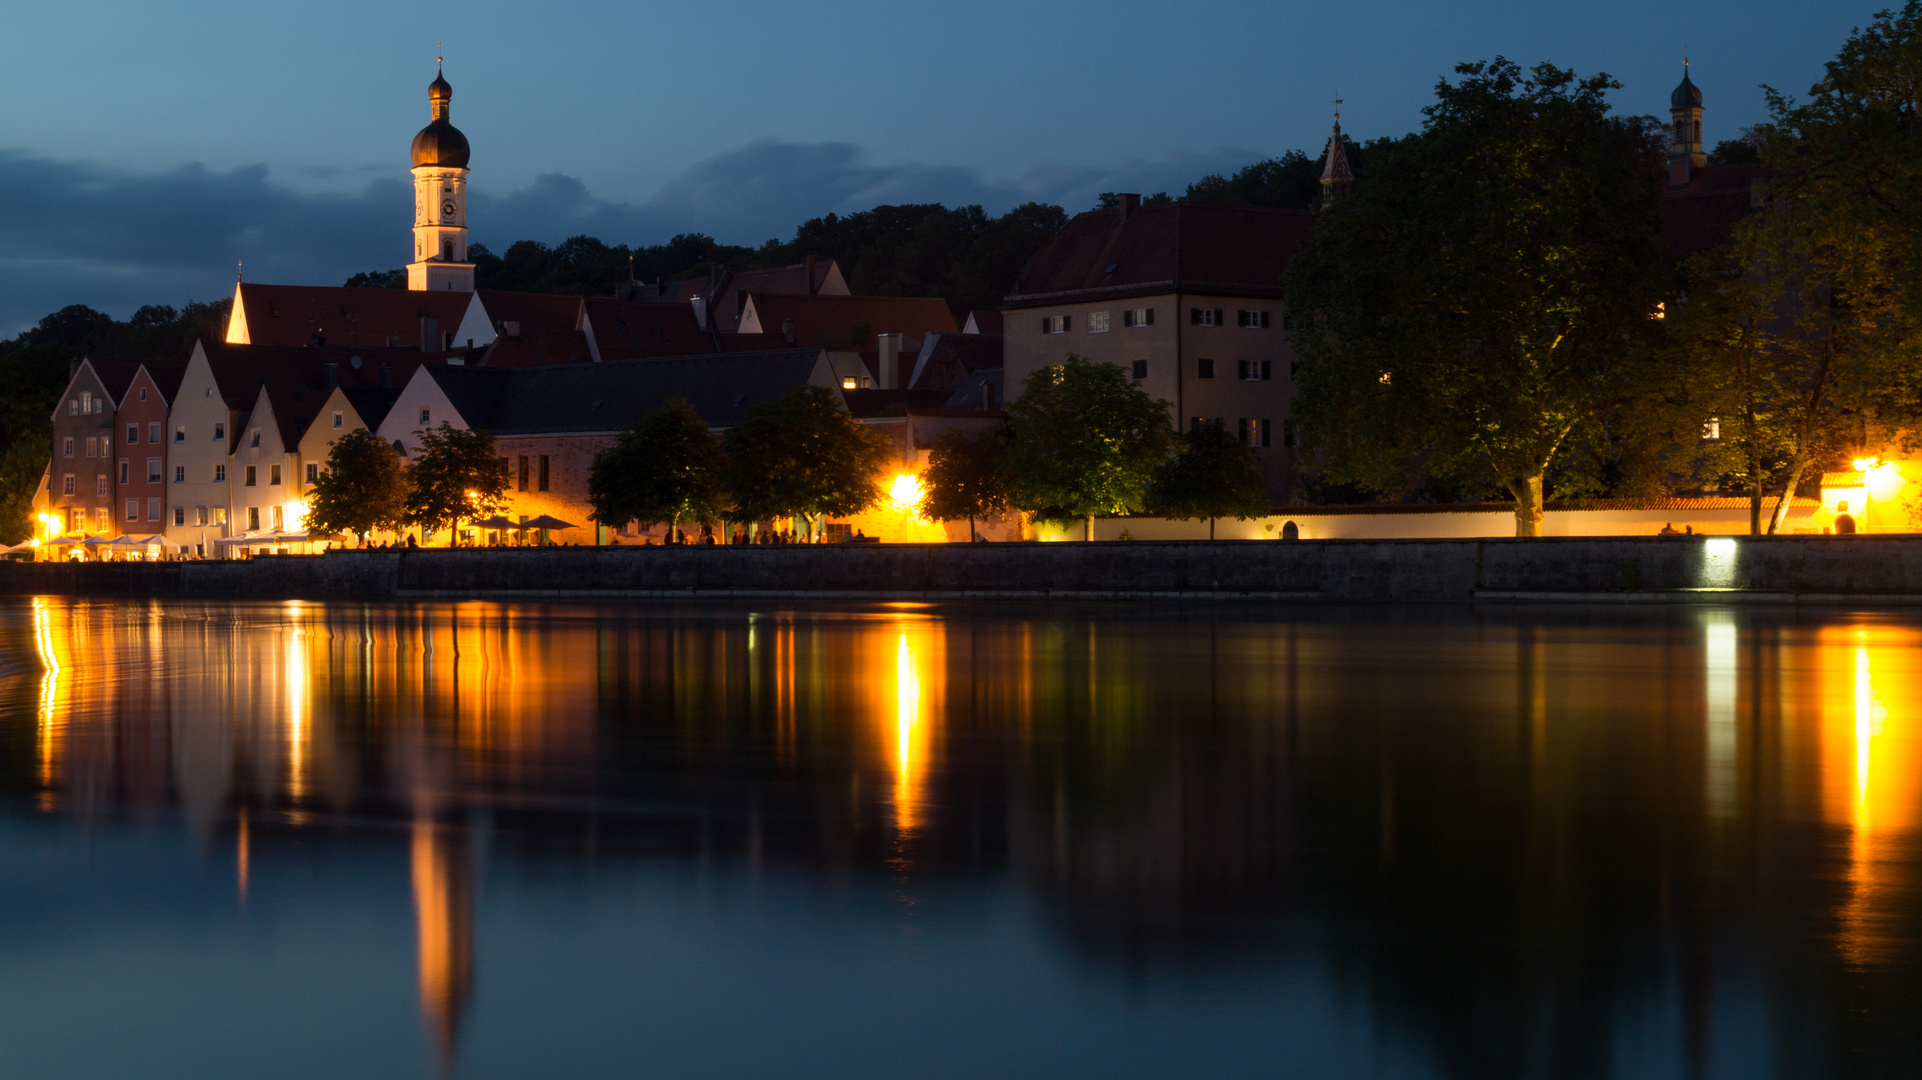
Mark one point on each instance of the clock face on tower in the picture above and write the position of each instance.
(447, 207)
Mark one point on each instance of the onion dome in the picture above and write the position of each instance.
(440, 143)
(1687, 95)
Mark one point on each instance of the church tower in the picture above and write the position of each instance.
(1336, 177)
(1685, 132)
(440, 200)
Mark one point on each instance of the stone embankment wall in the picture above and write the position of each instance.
(1879, 568)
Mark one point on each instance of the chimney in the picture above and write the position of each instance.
(386, 376)
(329, 375)
(1128, 204)
(890, 358)
(811, 289)
(429, 334)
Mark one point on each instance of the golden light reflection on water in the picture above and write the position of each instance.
(910, 754)
(444, 928)
(1869, 765)
(49, 732)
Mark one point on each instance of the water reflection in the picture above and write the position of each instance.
(1471, 843)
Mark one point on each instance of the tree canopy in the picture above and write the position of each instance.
(1085, 441)
(364, 487)
(1483, 301)
(967, 477)
(664, 468)
(455, 477)
(802, 455)
(1214, 475)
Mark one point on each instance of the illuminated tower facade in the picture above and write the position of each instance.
(440, 200)
(1685, 132)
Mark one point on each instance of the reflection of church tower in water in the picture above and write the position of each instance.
(440, 200)
(444, 924)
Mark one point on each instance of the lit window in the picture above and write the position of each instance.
(1138, 317)
(1097, 322)
(67, 488)
(1205, 316)
(200, 515)
(104, 517)
(1255, 432)
(100, 486)
(847, 382)
(253, 519)
(1712, 429)
(278, 521)
(93, 446)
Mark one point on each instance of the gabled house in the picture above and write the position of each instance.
(141, 463)
(81, 477)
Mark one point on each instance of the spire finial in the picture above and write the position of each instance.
(239, 276)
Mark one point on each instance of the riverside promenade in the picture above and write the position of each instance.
(1861, 569)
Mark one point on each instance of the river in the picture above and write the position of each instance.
(968, 840)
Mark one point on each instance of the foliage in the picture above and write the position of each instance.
(1110, 200)
(364, 487)
(1290, 182)
(1215, 475)
(378, 279)
(665, 468)
(1484, 298)
(802, 455)
(34, 377)
(154, 332)
(455, 477)
(967, 477)
(1085, 441)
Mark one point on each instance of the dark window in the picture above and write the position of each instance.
(123, 470)
(543, 477)
(273, 474)
(249, 481)
(523, 478)
(1141, 369)
(1254, 370)
(1251, 320)
(133, 433)
(1204, 368)
(313, 473)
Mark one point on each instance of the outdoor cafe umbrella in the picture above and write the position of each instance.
(545, 522)
(498, 521)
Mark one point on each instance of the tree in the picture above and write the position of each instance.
(456, 477)
(666, 468)
(802, 455)
(363, 488)
(967, 477)
(1215, 475)
(1487, 294)
(34, 377)
(1085, 440)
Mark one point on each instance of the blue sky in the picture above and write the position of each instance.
(145, 148)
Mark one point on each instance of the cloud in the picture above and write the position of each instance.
(80, 233)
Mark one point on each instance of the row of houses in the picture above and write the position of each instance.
(214, 455)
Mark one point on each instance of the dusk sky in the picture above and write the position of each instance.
(145, 148)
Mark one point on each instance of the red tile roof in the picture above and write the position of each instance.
(290, 315)
(726, 311)
(1189, 247)
(296, 377)
(1699, 216)
(537, 348)
(115, 375)
(166, 376)
(630, 330)
(815, 317)
(533, 311)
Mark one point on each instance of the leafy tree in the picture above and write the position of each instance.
(455, 477)
(1086, 441)
(1214, 475)
(1289, 182)
(363, 488)
(802, 455)
(666, 468)
(34, 377)
(1108, 200)
(379, 279)
(967, 477)
(1485, 297)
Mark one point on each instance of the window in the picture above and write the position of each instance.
(1140, 370)
(73, 407)
(523, 474)
(1254, 370)
(1251, 320)
(133, 434)
(220, 474)
(1054, 324)
(1712, 429)
(153, 470)
(220, 515)
(103, 517)
(86, 402)
(276, 519)
(133, 509)
(273, 474)
(1138, 317)
(253, 438)
(93, 446)
(253, 519)
(153, 509)
(249, 481)
(423, 416)
(66, 486)
(1204, 368)
(180, 474)
(1202, 316)
(338, 421)
(76, 520)
(180, 433)
(66, 446)
(1097, 322)
(153, 431)
(543, 476)
(180, 516)
(1255, 432)
(143, 393)
(313, 472)
(220, 431)
(100, 485)
(200, 515)
(1288, 432)
(125, 468)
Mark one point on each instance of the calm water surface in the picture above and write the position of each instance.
(900, 841)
